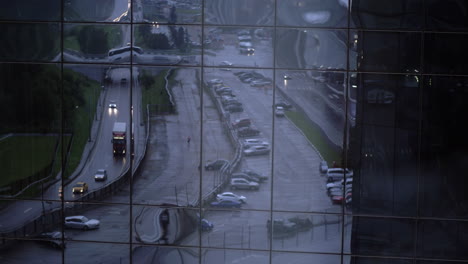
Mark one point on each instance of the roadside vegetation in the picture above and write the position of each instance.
(35, 103)
(315, 137)
(154, 90)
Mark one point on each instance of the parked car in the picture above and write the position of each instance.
(256, 150)
(223, 89)
(261, 177)
(231, 196)
(226, 64)
(279, 111)
(246, 143)
(281, 226)
(80, 187)
(226, 204)
(243, 122)
(215, 165)
(233, 102)
(239, 183)
(247, 132)
(241, 175)
(81, 222)
(232, 108)
(339, 183)
(215, 81)
(101, 175)
(53, 239)
(323, 166)
(302, 222)
(335, 174)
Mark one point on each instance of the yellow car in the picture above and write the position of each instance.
(80, 187)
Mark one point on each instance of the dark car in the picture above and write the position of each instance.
(247, 132)
(234, 108)
(215, 165)
(251, 173)
(226, 204)
(243, 122)
(301, 222)
(283, 104)
(53, 239)
(281, 226)
(245, 176)
(206, 225)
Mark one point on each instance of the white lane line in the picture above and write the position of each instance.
(27, 210)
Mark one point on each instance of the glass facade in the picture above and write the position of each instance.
(220, 131)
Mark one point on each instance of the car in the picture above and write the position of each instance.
(233, 102)
(112, 104)
(279, 111)
(335, 190)
(335, 174)
(101, 175)
(53, 239)
(226, 204)
(323, 166)
(215, 165)
(206, 225)
(261, 177)
(283, 104)
(215, 81)
(234, 108)
(231, 196)
(226, 64)
(247, 132)
(123, 81)
(302, 222)
(281, 226)
(247, 143)
(339, 183)
(259, 83)
(222, 89)
(239, 183)
(256, 150)
(241, 175)
(243, 122)
(287, 77)
(81, 222)
(80, 187)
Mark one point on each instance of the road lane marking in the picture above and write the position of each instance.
(27, 210)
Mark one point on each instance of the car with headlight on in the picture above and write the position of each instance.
(112, 104)
(80, 187)
(231, 197)
(279, 111)
(81, 222)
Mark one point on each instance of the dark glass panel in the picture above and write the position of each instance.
(304, 258)
(446, 15)
(30, 42)
(445, 53)
(367, 260)
(444, 147)
(387, 51)
(382, 236)
(46, 10)
(442, 239)
(387, 14)
(108, 252)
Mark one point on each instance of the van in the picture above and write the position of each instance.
(336, 174)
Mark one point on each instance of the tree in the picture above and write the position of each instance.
(93, 40)
(159, 41)
(172, 15)
(180, 43)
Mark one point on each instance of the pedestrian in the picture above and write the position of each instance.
(188, 139)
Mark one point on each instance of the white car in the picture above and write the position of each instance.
(101, 175)
(254, 142)
(256, 150)
(229, 196)
(336, 174)
(239, 183)
(279, 111)
(81, 222)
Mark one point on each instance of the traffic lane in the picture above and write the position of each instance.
(102, 156)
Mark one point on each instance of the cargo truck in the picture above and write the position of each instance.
(119, 138)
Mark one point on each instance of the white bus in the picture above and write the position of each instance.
(123, 54)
